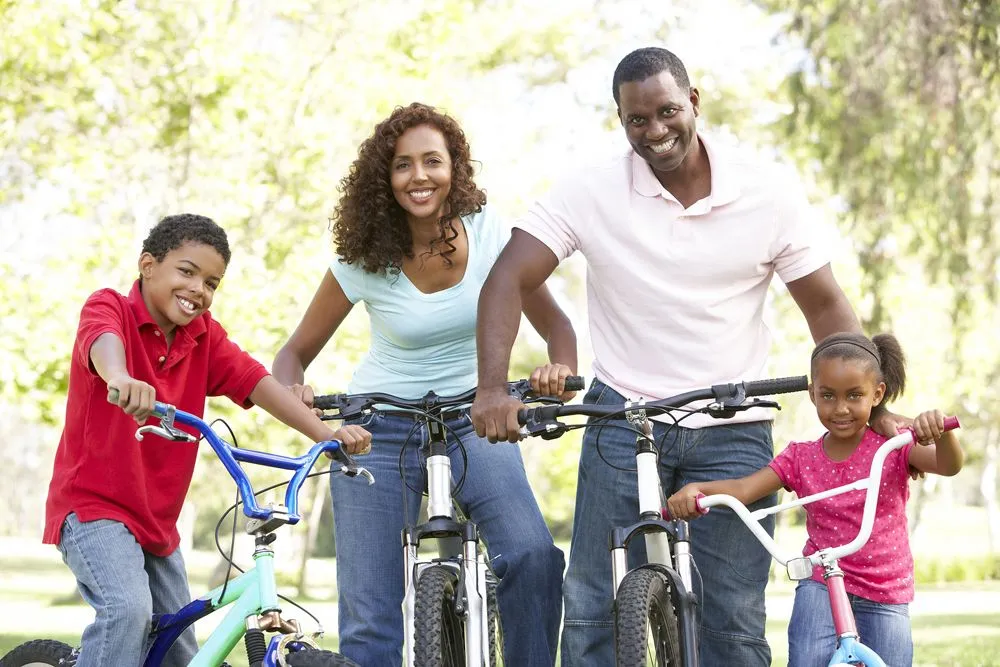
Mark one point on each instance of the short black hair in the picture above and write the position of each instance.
(646, 62)
(174, 231)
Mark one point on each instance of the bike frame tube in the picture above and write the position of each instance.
(850, 652)
(840, 605)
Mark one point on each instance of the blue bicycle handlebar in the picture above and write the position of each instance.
(230, 456)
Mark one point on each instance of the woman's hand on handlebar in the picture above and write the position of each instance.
(550, 380)
(684, 503)
(355, 440)
(494, 415)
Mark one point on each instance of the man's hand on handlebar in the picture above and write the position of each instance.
(494, 414)
(550, 380)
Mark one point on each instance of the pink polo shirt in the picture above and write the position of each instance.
(882, 570)
(676, 296)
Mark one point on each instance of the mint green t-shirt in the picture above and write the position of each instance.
(422, 342)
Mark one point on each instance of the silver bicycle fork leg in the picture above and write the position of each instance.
(409, 599)
(475, 615)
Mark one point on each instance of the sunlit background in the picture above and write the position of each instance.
(114, 114)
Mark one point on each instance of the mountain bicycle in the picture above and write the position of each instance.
(253, 594)
(450, 612)
(655, 605)
(849, 650)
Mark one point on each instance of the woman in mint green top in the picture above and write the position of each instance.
(415, 242)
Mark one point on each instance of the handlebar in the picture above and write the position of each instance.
(726, 399)
(349, 406)
(800, 567)
(229, 456)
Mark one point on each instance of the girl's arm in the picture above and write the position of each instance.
(275, 399)
(746, 489)
(325, 313)
(554, 327)
(937, 451)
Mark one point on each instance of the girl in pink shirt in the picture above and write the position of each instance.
(850, 376)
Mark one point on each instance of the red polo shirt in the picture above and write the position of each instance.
(101, 471)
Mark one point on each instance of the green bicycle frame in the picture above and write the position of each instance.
(251, 593)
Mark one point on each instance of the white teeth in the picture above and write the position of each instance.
(186, 305)
(421, 195)
(665, 146)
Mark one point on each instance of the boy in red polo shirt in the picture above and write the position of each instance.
(113, 502)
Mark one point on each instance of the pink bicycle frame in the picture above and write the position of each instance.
(850, 650)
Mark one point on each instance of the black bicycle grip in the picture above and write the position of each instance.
(575, 383)
(776, 386)
(542, 413)
(327, 401)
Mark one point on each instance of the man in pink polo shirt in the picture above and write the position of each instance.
(681, 237)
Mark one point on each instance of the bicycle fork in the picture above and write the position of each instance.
(469, 564)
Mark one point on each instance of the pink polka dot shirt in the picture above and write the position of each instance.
(882, 571)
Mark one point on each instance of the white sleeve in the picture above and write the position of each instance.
(799, 247)
(352, 279)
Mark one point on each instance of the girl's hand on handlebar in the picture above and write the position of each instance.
(550, 380)
(354, 438)
(929, 427)
(683, 504)
(135, 397)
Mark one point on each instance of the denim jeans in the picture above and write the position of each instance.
(495, 495)
(126, 586)
(885, 628)
(733, 566)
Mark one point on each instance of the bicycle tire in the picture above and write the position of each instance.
(644, 615)
(439, 634)
(494, 626)
(39, 652)
(318, 658)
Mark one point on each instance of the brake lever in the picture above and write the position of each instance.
(355, 471)
(726, 410)
(166, 432)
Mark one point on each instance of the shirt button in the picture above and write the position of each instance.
(162, 359)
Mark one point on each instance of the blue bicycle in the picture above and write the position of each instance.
(253, 595)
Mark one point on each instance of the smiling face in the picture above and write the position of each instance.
(420, 174)
(844, 392)
(181, 287)
(659, 120)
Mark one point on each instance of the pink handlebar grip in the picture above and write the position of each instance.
(951, 423)
(697, 504)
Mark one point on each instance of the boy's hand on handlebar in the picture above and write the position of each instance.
(135, 397)
(929, 427)
(550, 380)
(354, 438)
(494, 415)
(683, 504)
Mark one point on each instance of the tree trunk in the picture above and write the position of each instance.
(312, 530)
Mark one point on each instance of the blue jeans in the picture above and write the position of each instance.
(885, 628)
(732, 564)
(495, 495)
(126, 586)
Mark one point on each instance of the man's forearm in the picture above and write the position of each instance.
(562, 345)
(835, 317)
(497, 321)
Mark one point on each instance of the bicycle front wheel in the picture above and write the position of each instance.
(493, 622)
(439, 633)
(646, 631)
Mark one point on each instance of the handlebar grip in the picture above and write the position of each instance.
(522, 416)
(951, 423)
(786, 385)
(326, 401)
(113, 395)
(573, 383)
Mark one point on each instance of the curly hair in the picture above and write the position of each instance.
(369, 226)
(173, 231)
